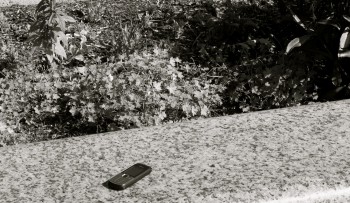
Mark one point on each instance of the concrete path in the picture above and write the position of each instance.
(299, 154)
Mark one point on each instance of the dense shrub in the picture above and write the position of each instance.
(237, 44)
(324, 47)
(7, 53)
(265, 88)
(105, 81)
(146, 88)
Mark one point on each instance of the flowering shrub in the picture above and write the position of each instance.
(145, 89)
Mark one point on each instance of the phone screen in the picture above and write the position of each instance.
(134, 171)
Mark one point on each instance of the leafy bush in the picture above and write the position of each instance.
(263, 88)
(145, 89)
(113, 28)
(325, 49)
(107, 82)
(7, 53)
(237, 44)
(213, 33)
(47, 31)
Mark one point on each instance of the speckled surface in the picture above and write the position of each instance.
(241, 158)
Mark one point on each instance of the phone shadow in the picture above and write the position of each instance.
(106, 185)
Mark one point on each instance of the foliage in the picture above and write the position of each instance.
(266, 88)
(6, 52)
(47, 31)
(251, 55)
(325, 49)
(146, 89)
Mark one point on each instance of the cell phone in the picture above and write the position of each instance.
(129, 176)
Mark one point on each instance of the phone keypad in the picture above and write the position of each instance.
(121, 179)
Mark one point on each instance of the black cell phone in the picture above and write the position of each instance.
(129, 176)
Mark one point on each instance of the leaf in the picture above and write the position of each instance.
(162, 115)
(73, 110)
(131, 97)
(55, 109)
(56, 75)
(137, 81)
(42, 6)
(198, 94)
(297, 20)
(61, 37)
(36, 26)
(55, 96)
(82, 70)
(330, 21)
(172, 62)
(204, 111)
(59, 50)
(91, 105)
(61, 23)
(37, 111)
(110, 77)
(336, 81)
(79, 57)
(297, 42)
(194, 110)
(91, 119)
(345, 54)
(186, 108)
(173, 103)
(347, 18)
(49, 58)
(244, 45)
(337, 77)
(344, 39)
(2, 17)
(264, 41)
(157, 85)
(171, 88)
(83, 32)
(245, 109)
(65, 17)
(187, 68)
(58, 84)
(83, 40)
